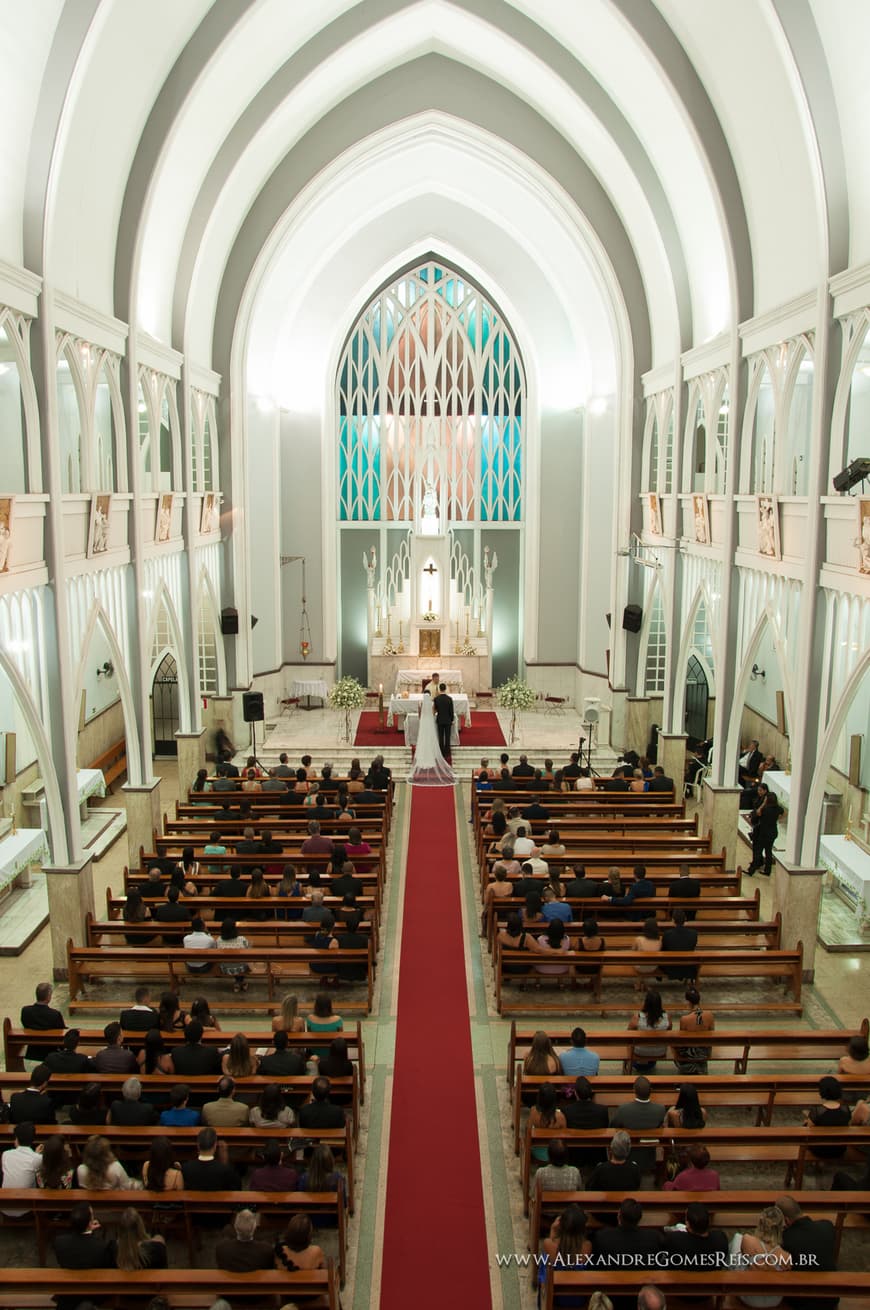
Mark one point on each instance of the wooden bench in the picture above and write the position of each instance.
(112, 763)
(194, 1289)
(16, 1041)
(344, 1091)
(262, 934)
(86, 962)
(661, 870)
(244, 1144)
(712, 933)
(741, 1047)
(852, 1288)
(173, 848)
(786, 966)
(372, 882)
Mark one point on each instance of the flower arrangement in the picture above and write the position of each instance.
(348, 694)
(430, 617)
(515, 695)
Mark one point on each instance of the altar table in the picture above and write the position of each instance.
(18, 851)
(850, 866)
(452, 678)
(311, 687)
(403, 706)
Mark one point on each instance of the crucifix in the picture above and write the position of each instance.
(431, 570)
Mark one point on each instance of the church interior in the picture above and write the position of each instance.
(435, 505)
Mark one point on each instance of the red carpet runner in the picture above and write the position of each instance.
(484, 731)
(435, 1251)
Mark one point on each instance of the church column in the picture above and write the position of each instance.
(70, 900)
(143, 818)
(637, 723)
(672, 758)
(189, 617)
(797, 894)
(191, 757)
(720, 815)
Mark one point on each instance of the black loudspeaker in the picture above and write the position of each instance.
(252, 707)
(632, 618)
(230, 622)
(607, 619)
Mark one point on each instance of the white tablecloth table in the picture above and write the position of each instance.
(311, 687)
(403, 707)
(18, 851)
(780, 784)
(452, 678)
(850, 866)
(90, 782)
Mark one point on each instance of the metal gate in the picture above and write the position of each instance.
(164, 707)
(697, 696)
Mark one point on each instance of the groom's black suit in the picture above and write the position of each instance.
(444, 720)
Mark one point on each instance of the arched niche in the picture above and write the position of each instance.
(98, 618)
(651, 461)
(850, 718)
(71, 407)
(858, 416)
(107, 459)
(799, 421)
(19, 420)
(164, 637)
(652, 663)
(763, 429)
(145, 425)
(19, 714)
(696, 657)
(756, 704)
(211, 658)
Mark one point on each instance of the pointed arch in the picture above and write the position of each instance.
(98, 616)
(174, 647)
(75, 465)
(207, 610)
(106, 367)
(15, 328)
(688, 648)
(767, 619)
(652, 664)
(60, 851)
(813, 819)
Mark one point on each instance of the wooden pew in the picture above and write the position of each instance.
(661, 870)
(194, 1289)
(770, 1144)
(345, 1091)
(261, 933)
(16, 1041)
(172, 848)
(112, 763)
(762, 1044)
(372, 882)
(712, 933)
(134, 1143)
(761, 1092)
(853, 1289)
(85, 962)
(786, 966)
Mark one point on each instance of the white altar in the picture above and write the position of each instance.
(780, 784)
(404, 706)
(849, 865)
(452, 679)
(18, 851)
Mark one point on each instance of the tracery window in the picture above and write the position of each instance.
(430, 383)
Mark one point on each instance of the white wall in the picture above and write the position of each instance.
(761, 692)
(264, 531)
(99, 692)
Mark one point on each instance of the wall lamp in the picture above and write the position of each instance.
(106, 670)
(758, 673)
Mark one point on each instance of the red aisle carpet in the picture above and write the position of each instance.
(485, 730)
(435, 1251)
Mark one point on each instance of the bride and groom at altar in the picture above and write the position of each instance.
(431, 768)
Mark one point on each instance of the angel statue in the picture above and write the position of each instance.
(370, 564)
(490, 564)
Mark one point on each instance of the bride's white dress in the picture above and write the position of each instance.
(430, 767)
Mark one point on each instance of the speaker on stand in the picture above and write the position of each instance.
(589, 732)
(253, 712)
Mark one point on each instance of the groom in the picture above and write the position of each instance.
(444, 719)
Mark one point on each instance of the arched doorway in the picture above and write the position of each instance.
(164, 707)
(697, 696)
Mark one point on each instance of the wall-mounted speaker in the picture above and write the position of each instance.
(632, 618)
(252, 707)
(230, 622)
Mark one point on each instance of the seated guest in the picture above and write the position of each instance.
(857, 1059)
(572, 768)
(578, 1059)
(320, 1112)
(582, 1111)
(21, 1163)
(131, 1111)
(210, 1171)
(641, 889)
(248, 844)
(33, 1105)
(295, 1249)
(697, 1176)
(347, 883)
(536, 812)
(641, 1113)
(154, 888)
(161, 1172)
(809, 1242)
(545, 1113)
(321, 1174)
(233, 886)
(226, 1111)
(56, 1172)
(680, 938)
(524, 845)
(170, 1013)
(260, 892)
(336, 1064)
(239, 1250)
(178, 879)
(628, 1243)
(322, 1020)
(136, 1248)
(114, 1057)
(84, 1246)
(647, 942)
(289, 1020)
(695, 1241)
(829, 1113)
(553, 907)
(523, 769)
(764, 1246)
(554, 844)
(272, 1112)
(619, 1173)
(68, 1059)
(191, 1059)
(316, 912)
(155, 1056)
(88, 1109)
(200, 1011)
(100, 1171)
(557, 1175)
(273, 1175)
(579, 887)
(325, 940)
(198, 940)
(251, 781)
(171, 912)
(568, 1246)
(136, 911)
(280, 1062)
(232, 940)
(240, 1061)
(541, 1058)
(685, 887)
(41, 1015)
(554, 942)
(498, 886)
(693, 1059)
(141, 1015)
(650, 1018)
(356, 848)
(351, 939)
(180, 1114)
(687, 1111)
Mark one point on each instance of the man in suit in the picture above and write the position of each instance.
(131, 1111)
(226, 1111)
(171, 912)
(193, 1060)
(114, 1058)
(84, 1246)
(222, 781)
(249, 844)
(750, 762)
(628, 1244)
(444, 716)
(33, 1105)
(660, 781)
(637, 1115)
(811, 1242)
(641, 889)
(234, 885)
(580, 887)
(208, 1172)
(282, 1063)
(572, 768)
(347, 884)
(684, 887)
(141, 1016)
(68, 1059)
(319, 1112)
(41, 1015)
(680, 938)
(523, 769)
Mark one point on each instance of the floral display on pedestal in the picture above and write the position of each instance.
(348, 694)
(515, 695)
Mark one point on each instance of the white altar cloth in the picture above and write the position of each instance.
(18, 851)
(780, 784)
(402, 706)
(452, 678)
(312, 687)
(90, 782)
(850, 866)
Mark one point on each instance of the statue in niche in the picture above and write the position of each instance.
(5, 532)
(490, 564)
(370, 564)
(429, 524)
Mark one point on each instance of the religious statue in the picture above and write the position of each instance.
(5, 532)
(490, 564)
(100, 525)
(370, 564)
(429, 518)
(766, 527)
(864, 542)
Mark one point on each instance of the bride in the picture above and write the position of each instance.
(430, 767)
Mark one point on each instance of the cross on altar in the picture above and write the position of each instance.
(431, 570)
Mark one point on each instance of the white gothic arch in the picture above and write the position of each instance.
(134, 755)
(54, 802)
(206, 592)
(687, 649)
(812, 822)
(163, 598)
(767, 618)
